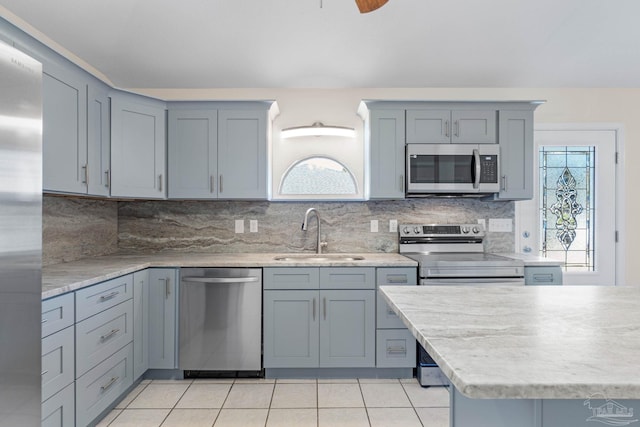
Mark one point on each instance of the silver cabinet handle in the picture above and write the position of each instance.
(85, 175)
(504, 182)
(44, 321)
(314, 309)
(108, 296)
(390, 312)
(402, 183)
(396, 350)
(220, 279)
(220, 183)
(543, 278)
(106, 178)
(108, 385)
(43, 373)
(397, 279)
(446, 128)
(167, 287)
(324, 308)
(212, 184)
(160, 182)
(457, 132)
(105, 337)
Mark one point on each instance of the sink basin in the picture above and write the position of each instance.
(319, 257)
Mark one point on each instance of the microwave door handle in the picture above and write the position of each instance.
(476, 168)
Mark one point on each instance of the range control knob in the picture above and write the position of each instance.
(406, 230)
(416, 230)
(465, 230)
(475, 230)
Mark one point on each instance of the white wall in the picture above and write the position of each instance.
(338, 106)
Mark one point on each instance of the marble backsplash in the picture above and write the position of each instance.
(152, 226)
(74, 228)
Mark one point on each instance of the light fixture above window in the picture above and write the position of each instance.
(318, 129)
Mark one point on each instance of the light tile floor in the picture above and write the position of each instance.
(281, 403)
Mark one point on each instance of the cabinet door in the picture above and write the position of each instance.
(347, 329)
(193, 154)
(242, 154)
(162, 318)
(59, 410)
(474, 126)
(516, 155)
(140, 323)
(64, 132)
(386, 154)
(291, 329)
(428, 126)
(98, 140)
(137, 147)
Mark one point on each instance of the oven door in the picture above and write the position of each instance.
(466, 281)
(451, 168)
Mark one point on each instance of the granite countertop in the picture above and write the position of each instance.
(534, 342)
(532, 260)
(60, 278)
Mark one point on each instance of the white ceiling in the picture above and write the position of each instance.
(299, 44)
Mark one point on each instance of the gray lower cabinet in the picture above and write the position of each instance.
(58, 352)
(140, 323)
(543, 275)
(59, 409)
(163, 300)
(395, 345)
(307, 327)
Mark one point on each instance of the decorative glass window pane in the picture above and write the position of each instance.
(567, 182)
(318, 175)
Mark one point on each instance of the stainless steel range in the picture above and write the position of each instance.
(453, 254)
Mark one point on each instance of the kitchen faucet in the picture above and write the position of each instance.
(305, 223)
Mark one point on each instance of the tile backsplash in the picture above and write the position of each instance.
(80, 227)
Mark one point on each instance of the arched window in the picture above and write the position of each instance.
(318, 176)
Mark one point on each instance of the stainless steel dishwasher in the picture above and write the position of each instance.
(220, 321)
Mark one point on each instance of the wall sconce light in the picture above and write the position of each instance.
(318, 129)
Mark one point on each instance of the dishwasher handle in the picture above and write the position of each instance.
(214, 280)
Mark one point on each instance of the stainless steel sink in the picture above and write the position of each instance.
(319, 257)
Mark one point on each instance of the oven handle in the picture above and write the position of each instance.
(467, 281)
(476, 168)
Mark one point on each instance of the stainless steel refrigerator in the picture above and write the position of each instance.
(20, 237)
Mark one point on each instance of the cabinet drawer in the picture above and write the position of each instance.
(57, 314)
(347, 278)
(94, 299)
(395, 348)
(541, 275)
(57, 362)
(101, 335)
(100, 387)
(397, 276)
(59, 409)
(291, 278)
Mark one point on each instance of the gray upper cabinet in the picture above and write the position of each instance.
(138, 146)
(219, 149)
(516, 155)
(193, 154)
(459, 126)
(98, 140)
(64, 131)
(386, 130)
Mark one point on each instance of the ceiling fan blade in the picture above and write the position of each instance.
(366, 6)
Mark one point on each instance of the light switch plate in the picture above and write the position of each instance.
(239, 225)
(501, 225)
(374, 225)
(253, 226)
(483, 222)
(393, 225)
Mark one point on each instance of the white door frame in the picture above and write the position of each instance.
(618, 128)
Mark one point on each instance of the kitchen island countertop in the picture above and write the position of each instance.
(528, 342)
(66, 277)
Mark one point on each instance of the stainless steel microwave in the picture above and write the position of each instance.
(441, 169)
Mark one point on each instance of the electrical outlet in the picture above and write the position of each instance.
(253, 226)
(239, 225)
(483, 223)
(393, 225)
(501, 225)
(374, 225)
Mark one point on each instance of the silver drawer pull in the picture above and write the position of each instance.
(43, 373)
(103, 338)
(109, 296)
(396, 350)
(45, 320)
(108, 385)
(390, 312)
(397, 279)
(543, 277)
